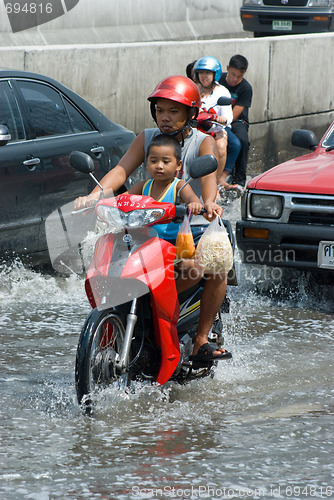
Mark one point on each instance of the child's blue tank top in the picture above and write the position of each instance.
(166, 231)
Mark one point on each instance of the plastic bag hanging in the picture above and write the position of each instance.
(214, 252)
(185, 246)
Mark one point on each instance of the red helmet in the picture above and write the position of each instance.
(177, 88)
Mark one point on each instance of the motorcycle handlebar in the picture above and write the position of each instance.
(180, 211)
(82, 210)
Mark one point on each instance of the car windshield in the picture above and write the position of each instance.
(329, 139)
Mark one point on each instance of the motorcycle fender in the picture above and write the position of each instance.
(149, 261)
(153, 264)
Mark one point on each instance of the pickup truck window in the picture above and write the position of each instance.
(329, 139)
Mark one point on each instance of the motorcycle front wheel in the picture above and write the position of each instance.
(100, 343)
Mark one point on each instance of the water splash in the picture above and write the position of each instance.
(19, 283)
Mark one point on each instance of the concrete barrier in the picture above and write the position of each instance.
(292, 78)
(119, 21)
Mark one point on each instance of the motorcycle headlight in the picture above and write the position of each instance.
(143, 217)
(266, 206)
(136, 218)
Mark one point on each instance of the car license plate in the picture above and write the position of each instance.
(282, 25)
(326, 254)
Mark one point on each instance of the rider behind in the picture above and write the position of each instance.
(175, 102)
(242, 93)
(207, 72)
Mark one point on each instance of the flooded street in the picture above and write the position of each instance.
(263, 427)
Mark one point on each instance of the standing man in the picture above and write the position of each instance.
(241, 92)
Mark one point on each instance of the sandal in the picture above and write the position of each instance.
(205, 353)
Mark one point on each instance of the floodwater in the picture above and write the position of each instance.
(263, 427)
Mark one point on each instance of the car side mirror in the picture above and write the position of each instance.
(306, 139)
(4, 135)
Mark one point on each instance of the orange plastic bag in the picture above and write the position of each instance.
(185, 246)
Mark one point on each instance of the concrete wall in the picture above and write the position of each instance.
(119, 21)
(292, 78)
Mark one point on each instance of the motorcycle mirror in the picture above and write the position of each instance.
(199, 167)
(82, 162)
(4, 135)
(202, 165)
(224, 101)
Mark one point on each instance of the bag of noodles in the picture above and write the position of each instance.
(214, 252)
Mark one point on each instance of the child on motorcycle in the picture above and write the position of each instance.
(163, 164)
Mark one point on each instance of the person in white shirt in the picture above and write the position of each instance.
(207, 71)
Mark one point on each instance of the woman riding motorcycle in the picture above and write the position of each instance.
(207, 72)
(174, 103)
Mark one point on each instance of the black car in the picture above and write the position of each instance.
(46, 121)
(277, 17)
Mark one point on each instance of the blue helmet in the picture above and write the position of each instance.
(208, 64)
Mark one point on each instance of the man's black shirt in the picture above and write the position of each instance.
(241, 95)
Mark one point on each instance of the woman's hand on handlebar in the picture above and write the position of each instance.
(220, 119)
(212, 210)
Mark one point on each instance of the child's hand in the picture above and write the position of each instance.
(195, 208)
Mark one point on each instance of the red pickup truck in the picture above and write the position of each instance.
(288, 211)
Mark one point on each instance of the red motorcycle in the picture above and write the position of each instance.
(205, 121)
(139, 328)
